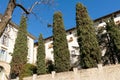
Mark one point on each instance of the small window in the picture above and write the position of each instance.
(2, 51)
(117, 22)
(73, 52)
(70, 32)
(52, 52)
(50, 45)
(51, 39)
(70, 39)
(4, 40)
(115, 16)
(2, 55)
(6, 29)
(100, 21)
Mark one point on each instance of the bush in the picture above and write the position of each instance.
(50, 66)
(28, 70)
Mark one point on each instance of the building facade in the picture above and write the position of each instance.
(7, 41)
(71, 36)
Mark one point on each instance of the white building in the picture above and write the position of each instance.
(7, 41)
(72, 40)
(72, 46)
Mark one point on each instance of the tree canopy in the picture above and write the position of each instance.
(90, 54)
(60, 46)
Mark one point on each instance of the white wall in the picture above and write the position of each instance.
(11, 33)
(30, 49)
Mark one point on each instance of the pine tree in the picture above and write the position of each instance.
(60, 46)
(113, 32)
(41, 67)
(19, 56)
(90, 54)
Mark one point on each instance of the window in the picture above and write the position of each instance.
(73, 54)
(50, 45)
(70, 32)
(6, 29)
(115, 15)
(52, 52)
(101, 21)
(51, 39)
(4, 40)
(117, 22)
(3, 55)
(70, 39)
(2, 51)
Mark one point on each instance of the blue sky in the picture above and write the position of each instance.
(37, 25)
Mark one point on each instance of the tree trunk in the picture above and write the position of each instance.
(7, 16)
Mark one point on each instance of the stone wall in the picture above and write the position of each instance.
(101, 73)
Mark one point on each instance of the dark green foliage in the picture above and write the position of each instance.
(60, 46)
(113, 32)
(90, 54)
(28, 70)
(104, 43)
(41, 67)
(19, 57)
(50, 66)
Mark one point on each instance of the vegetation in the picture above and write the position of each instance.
(50, 66)
(28, 70)
(113, 32)
(41, 67)
(19, 56)
(103, 43)
(90, 54)
(60, 46)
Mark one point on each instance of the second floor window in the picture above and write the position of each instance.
(4, 40)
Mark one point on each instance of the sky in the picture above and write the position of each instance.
(43, 14)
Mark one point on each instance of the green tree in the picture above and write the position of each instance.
(103, 43)
(113, 32)
(41, 67)
(19, 56)
(90, 54)
(60, 46)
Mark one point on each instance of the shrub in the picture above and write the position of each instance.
(28, 70)
(50, 66)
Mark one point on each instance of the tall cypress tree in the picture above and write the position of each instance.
(90, 54)
(113, 32)
(60, 46)
(41, 67)
(19, 57)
